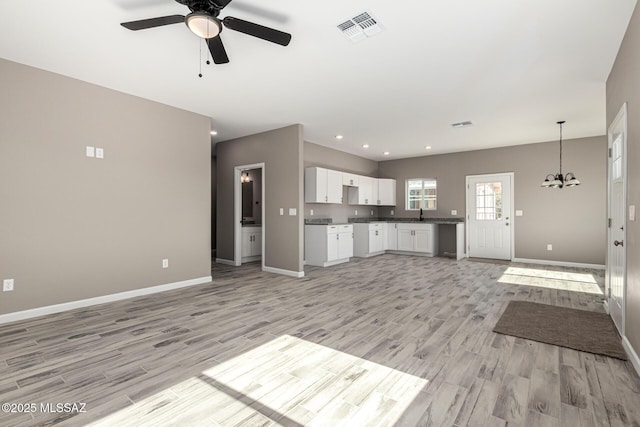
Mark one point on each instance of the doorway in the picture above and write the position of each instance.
(489, 216)
(249, 214)
(617, 202)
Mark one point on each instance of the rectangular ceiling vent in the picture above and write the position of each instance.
(360, 27)
(461, 124)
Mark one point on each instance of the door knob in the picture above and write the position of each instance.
(507, 224)
(618, 243)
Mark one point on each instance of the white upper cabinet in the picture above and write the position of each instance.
(349, 179)
(373, 191)
(322, 185)
(386, 192)
(363, 193)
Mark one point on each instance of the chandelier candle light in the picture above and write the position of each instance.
(558, 180)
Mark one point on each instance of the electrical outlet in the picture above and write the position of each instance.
(293, 212)
(165, 263)
(7, 285)
(356, 212)
(549, 247)
(519, 212)
(99, 153)
(371, 212)
(311, 212)
(281, 211)
(391, 211)
(454, 212)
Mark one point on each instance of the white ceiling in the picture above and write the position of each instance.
(512, 67)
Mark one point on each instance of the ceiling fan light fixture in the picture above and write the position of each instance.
(203, 25)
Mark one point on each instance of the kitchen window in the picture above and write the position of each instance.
(421, 194)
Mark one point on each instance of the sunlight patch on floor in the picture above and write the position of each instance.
(562, 280)
(288, 381)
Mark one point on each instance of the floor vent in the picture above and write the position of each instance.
(360, 27)
(461, 124)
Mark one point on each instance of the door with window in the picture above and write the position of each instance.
(616, 256)
(489, 216)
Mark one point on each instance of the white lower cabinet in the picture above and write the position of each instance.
(369, 239)
(326, 245)
(421, 238)
(392, 236)
(251, 243)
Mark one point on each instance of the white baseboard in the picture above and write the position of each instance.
(633, 356)
(226, 261)
(291, 273)
(559, 263)
(57, 308)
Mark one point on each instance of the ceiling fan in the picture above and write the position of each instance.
(203, 21)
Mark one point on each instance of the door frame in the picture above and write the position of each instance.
(621, 116)
(237, 212)
(512, 224)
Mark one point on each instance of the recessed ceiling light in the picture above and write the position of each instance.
(339, 137)
(386, 153)
(214, 133)
(428, 147)
(365, 145)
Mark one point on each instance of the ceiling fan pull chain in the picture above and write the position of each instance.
(200, 58)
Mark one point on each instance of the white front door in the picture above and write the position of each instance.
(489, 216)
(616, 254)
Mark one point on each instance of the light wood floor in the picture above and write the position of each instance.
(390, 340)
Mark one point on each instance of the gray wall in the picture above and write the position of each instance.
(74, 227)
(623, 86)
(281, 151)
(572, 219)
(317, 155)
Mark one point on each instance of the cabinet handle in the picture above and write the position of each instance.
(337, 236)
(326, 198)
(376, 232)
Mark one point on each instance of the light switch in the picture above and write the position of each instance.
(632, 212)
(549, 247)
(99, 153)
(454, 212)
(281, 211)
(293, 211)
(518, 212)
(91, 151)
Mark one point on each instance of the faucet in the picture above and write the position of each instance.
(421, 218)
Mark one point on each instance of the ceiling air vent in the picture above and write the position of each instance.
(360, 27)
(461, 124)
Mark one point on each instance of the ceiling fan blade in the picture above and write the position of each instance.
(218, 53)
(153, 22)
(255, 30)
(221, 3)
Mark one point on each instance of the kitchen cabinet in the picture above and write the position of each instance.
(368, 240)
(322, 185)
(363, 194)
(421, 238)
(327, 245)
(391, 236)
(251, 243)
(349, 179)
(386, 192)
(373, 191)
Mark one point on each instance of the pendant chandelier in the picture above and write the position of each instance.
(558, 180)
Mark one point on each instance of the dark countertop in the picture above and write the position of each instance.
(451, 220)
(323, 221)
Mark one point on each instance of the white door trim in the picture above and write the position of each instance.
(622, 115)
(512, 227)
(237, 212)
